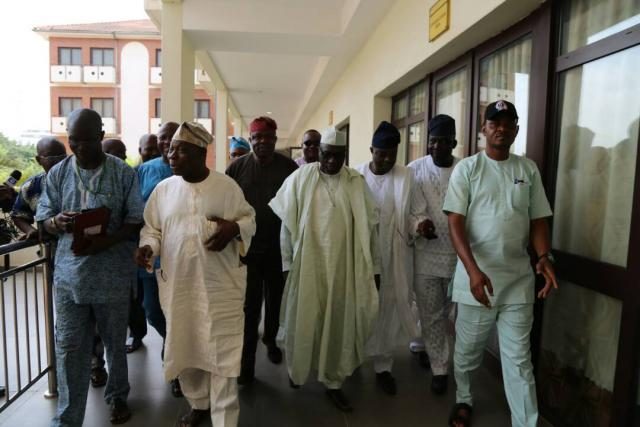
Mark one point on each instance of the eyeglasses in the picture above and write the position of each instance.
(51, 158)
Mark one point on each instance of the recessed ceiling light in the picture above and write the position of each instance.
(269, 112)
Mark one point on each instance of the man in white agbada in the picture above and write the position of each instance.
(328, 244)
(200, 224)
(391, 187)
(435, 258)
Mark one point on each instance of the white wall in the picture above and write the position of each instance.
(399, 54)
(134, 92)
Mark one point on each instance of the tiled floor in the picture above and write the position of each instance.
(270, 402)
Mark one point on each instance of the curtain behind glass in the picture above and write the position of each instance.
(587, 21)
(505, 75)
(600, 108)
(451, 99)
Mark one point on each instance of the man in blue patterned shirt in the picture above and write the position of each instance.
(50, 152)
(93, 284)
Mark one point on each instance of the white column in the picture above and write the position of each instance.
(178, 63)
(221, 130)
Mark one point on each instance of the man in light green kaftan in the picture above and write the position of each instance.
(328, 244)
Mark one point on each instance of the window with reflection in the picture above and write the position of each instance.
(577, 361)
(599, 113)
(505, 75)
(588, 21)
(451, 99)
(417, 142)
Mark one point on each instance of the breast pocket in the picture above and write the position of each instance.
(520, 197)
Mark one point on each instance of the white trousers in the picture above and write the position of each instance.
(204, 390)
(434, 306)
(514, 321)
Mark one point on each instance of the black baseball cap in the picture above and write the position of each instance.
(500, 107)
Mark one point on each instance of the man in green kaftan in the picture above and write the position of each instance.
(329, 255)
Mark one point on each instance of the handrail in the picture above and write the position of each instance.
(29, 284)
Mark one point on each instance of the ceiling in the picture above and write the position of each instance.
(279, 57)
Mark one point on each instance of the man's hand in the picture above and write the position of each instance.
(142, 256)
(226, 231)
(427, 230)
(31, 234)
(64, 221)
(96, 245)
(545, 267)
(477, 282)
(376, 278)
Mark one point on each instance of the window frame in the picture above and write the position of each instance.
(71, 49)
(102, 100)
(61, 99)
(407, 121)
(196, 108)
(102, 52)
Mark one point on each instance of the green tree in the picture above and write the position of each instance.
(16, 156)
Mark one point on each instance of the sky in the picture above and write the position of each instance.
(24, 73)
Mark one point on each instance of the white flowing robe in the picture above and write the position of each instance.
(201, 291)
(396, 324)
(330, 301)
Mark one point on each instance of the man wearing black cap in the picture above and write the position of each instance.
(391, 188)
(435, 258)
(496, 206)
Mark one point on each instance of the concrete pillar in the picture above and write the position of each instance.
(221, 130)
(178, 64)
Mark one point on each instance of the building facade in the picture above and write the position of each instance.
(569, 66)
(114, 68)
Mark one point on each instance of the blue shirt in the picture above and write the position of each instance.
(150, 174)
(28, 196)
(105, 277)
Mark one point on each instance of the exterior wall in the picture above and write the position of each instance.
(400, 54)
(86, 91)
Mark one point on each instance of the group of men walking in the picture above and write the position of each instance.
(339, 256)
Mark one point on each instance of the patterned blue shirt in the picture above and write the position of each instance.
(27, 200)
(106, 277)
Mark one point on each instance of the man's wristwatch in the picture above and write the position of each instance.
(549, 256)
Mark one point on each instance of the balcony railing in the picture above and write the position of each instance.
(26, 316)
(66, 74)
(99, 74)
(206, 123)
(155, 75)
(154, 124)
(109, 126)
(58, 124)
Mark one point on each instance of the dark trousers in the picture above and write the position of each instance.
(151, 304)
(264, 278)
(137, 318)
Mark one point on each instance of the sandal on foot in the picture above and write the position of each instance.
(193, 418)
(460, 415)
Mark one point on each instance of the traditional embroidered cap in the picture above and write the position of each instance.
(262, 123)
(331, 136)
(239, 142)
(193, 133)
(500, 107)
(442, 125)
(386, 136)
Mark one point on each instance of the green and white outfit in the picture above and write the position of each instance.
(328, 244)
(499, 199)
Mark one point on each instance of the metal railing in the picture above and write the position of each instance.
(26, 322)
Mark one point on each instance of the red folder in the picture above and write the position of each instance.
(90, 222)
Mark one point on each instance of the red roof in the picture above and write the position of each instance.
(137, 27)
